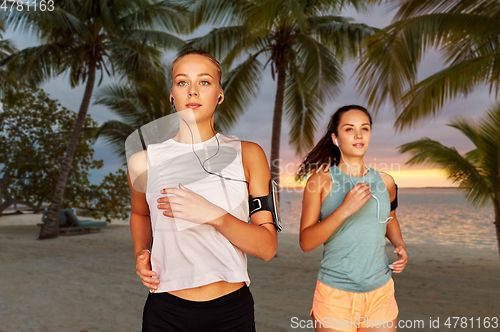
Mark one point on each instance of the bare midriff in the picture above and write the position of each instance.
(208, 292)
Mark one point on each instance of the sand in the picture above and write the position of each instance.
(88, 282)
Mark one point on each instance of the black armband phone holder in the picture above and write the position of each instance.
(394, 203)
(267, 203)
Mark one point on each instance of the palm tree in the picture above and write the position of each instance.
(83, 37)
(6, 49)
(136, 104)
(304, 42)
(466, 32)
(477, 172)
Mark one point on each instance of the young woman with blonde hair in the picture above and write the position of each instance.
(196, 268)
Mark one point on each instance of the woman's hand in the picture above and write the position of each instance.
(356, 198)
(399, 265)
(189, 206)
(143, 270)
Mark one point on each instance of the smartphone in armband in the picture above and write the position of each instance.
(268, 203)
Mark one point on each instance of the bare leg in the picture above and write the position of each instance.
(324, 329)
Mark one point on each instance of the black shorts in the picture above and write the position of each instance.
(231, 312)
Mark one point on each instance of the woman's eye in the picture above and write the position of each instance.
(348, 129)
(365, 129)
(182, 83)
(204, 82)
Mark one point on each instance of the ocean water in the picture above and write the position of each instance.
(434, 216)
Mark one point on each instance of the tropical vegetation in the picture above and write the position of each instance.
(34, 131)
(303, 42)
(465, 32)
(477, 172)
(85, 38)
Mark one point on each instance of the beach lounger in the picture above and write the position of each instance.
(70, 224)
(62, 216)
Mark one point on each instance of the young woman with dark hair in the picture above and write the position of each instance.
(347, 207)
(196, 268)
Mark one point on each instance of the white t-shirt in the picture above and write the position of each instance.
(186, 254)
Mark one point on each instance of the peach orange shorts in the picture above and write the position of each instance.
(347, 311)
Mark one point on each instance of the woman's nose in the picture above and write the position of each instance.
(193, 92)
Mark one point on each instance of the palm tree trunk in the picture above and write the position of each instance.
(277, 118)
(7, 199)
(50, 228)
(497, 222)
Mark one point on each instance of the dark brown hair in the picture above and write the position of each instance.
(325, 153)
(202, 53)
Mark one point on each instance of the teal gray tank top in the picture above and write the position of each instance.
(354, 257)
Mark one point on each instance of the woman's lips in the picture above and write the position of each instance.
(358, 145)
(193, 105)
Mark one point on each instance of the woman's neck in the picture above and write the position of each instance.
(194, 133)
(357, 166)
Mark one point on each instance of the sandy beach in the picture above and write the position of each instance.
(88, 282)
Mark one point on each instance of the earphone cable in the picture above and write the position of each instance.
(218, 146)
(388, 220)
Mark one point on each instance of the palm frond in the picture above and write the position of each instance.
(324, 7)
(240, 86)
(469, 129)
(458, 168)
(170, 14)
(216, 12)
(8, 83)
(38, 63)
(266, 13)
(474, 157)
(322, 71)
(302, 109)
(489, 128)
(6, 48)
(115, 134)
(124, 102)
(219, 42)
(134, 59)
(152, 38)
(411, 8)
(428, 96)
(388, 66)
(252, 44)
(56, 24)
(340, 34)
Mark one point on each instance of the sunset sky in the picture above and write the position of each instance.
(255, 125)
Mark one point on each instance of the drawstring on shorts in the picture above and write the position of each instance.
(353, 306)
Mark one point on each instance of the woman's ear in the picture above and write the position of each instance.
(334, 139)
(220, 99)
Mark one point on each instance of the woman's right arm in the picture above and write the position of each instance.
(140, 222)
(314, 233)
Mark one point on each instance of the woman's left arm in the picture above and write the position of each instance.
(393, 231)
(259, 238)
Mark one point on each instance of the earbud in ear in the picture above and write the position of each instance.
(172, 100)
(220, 97)
(336, 142)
